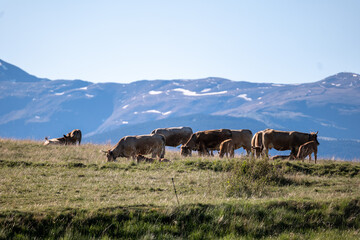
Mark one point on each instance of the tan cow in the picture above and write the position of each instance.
(242, 139)
(131, 146)
(203, 141)
(174, 136)
(73, 137)
(227, 148)
(55, 141)
(256, 144)
(307, 149)
(284, 140)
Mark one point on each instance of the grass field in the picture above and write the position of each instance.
(71, 192)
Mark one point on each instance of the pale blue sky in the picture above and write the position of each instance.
(280, 41)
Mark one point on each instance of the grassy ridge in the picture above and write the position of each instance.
(71, 192)
(272, 218)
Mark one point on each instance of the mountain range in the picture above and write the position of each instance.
(32, 107)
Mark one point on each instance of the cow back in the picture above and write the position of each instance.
(174, 136)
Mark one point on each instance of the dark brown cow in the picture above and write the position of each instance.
(131, 146)
(283, 140)
(73, 137)
(203, 141)
(242, 139)
(174, 136)
(307, 149)
(227, 148)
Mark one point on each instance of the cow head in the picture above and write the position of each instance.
(185, 151)
(110, 155)
(313, 137)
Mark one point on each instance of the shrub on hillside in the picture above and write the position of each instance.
(252, 177)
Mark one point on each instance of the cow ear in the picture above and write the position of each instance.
(317, 132)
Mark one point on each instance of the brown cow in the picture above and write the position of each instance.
(283, 140)
(242, 139)
(175, 135)
(73, 137)
(56, 141)
(203, 141)
(227, 148)
(141, 158)
(282, 157)
(131, 146)
(307, 149)
(256, 143)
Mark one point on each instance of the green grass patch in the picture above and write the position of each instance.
(71, 192)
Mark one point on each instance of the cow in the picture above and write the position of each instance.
(174, 136)
(131, 146)
(242, 139)
(56, 141)
(307, 149)
(256, 144)
(227, 148)
(284, 140)
(141, 158)
(282, 157)
(73, 137)
(203, 141)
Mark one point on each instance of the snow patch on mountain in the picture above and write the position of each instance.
(194, 94)
(158, 112)
(152, 92)
(245, 97)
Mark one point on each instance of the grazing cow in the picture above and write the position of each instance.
(55, 141)
(256, 144)
(174, 136)
(131, 146)
(307, 149)
(283, 140)
(73, 137)
(203, 141)
(242, 139)
(227, 148)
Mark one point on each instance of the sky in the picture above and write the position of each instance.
(278, 41)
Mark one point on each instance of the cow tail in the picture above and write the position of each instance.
(79, 138)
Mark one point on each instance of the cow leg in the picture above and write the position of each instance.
(265, 153)
(248, 152)
(232, 153)
(315, 155)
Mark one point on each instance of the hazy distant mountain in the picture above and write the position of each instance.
(33, 108)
